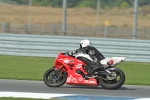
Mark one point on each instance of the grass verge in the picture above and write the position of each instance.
(33, 68)
(26, 99)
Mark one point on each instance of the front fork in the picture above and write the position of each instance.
(58, 70)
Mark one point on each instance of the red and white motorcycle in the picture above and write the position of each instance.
(71, 70)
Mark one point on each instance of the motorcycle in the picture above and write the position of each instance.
(71, 70)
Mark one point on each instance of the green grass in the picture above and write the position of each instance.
(26, 99)
(136, 73)
(33, 68)
(24, 68)
(17, 99)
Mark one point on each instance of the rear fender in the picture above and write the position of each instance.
(116, 60)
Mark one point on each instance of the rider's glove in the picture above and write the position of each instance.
(72, 52)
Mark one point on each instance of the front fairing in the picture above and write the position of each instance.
(65, 60)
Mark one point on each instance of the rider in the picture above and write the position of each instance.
(86, 47)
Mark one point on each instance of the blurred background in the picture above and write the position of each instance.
(88, 18)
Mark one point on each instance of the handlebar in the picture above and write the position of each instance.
(67, 53)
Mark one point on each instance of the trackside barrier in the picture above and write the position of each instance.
(50, 46)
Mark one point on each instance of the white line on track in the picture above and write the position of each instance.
(40, 95)
(31, 95)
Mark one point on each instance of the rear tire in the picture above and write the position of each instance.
(52, 79)
(115, 83)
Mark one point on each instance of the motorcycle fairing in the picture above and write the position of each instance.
(73, 77)
(76, 79)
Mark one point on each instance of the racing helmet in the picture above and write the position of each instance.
(85, 43)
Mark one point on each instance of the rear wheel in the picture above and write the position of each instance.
(113, 82)
(53, 78)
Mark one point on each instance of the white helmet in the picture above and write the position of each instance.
(85, 43)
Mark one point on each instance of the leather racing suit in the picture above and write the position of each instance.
(94, 54)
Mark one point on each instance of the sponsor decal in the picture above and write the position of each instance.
(71, 79)
(66, 60)
(78, 66)
(90, 81)
(60, 59)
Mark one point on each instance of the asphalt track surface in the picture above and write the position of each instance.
(133, 91)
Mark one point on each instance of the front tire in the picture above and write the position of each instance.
(54, 79)
(113, 83)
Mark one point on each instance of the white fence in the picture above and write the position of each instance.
(50, 46)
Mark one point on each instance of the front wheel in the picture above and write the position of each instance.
(54, 78)
(113, 82)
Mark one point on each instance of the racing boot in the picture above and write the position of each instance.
(92, 71)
